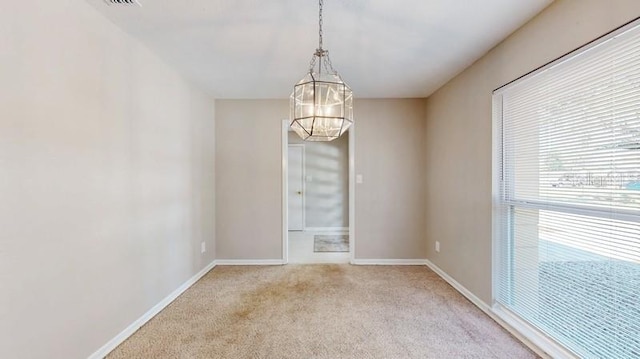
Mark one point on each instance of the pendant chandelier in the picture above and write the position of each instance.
(321, 103)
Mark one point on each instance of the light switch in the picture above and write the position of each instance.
(358, 178)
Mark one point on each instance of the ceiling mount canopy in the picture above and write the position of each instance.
(321, 103)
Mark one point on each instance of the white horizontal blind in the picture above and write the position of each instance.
(569, 256)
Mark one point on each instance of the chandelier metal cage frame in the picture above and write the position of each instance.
(321, 102)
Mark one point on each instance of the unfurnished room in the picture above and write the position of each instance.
(327, 179)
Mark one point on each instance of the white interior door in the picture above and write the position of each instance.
(296, 186)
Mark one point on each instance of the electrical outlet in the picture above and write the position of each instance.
(437, 246)
(203, 247)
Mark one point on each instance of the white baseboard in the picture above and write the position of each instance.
(249, 262)
(459, 287)
(537, 342)
(326, 229)
(118, 339)
(539, 339)
(389, 262)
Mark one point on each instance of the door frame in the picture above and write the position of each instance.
(285, 192)
(304, 183)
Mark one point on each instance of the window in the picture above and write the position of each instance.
(567, 248)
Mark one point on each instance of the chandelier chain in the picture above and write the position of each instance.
(321, 3)
(321, 53)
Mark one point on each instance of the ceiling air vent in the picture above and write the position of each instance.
(123, 2)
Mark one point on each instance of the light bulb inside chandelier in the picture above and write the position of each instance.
(321, 103)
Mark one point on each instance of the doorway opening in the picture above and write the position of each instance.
(318, 199)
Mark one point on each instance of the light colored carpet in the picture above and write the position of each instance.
(321, 311)
(331, 243)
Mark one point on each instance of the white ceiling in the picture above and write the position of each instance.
(382, 48)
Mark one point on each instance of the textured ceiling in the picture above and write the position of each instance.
(382, 48)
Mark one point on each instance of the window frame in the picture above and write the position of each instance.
(503, 207)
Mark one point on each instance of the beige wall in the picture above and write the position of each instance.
(249, 178)
(459, 126)
(390, 204)
(106, 180)
(326, 188)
